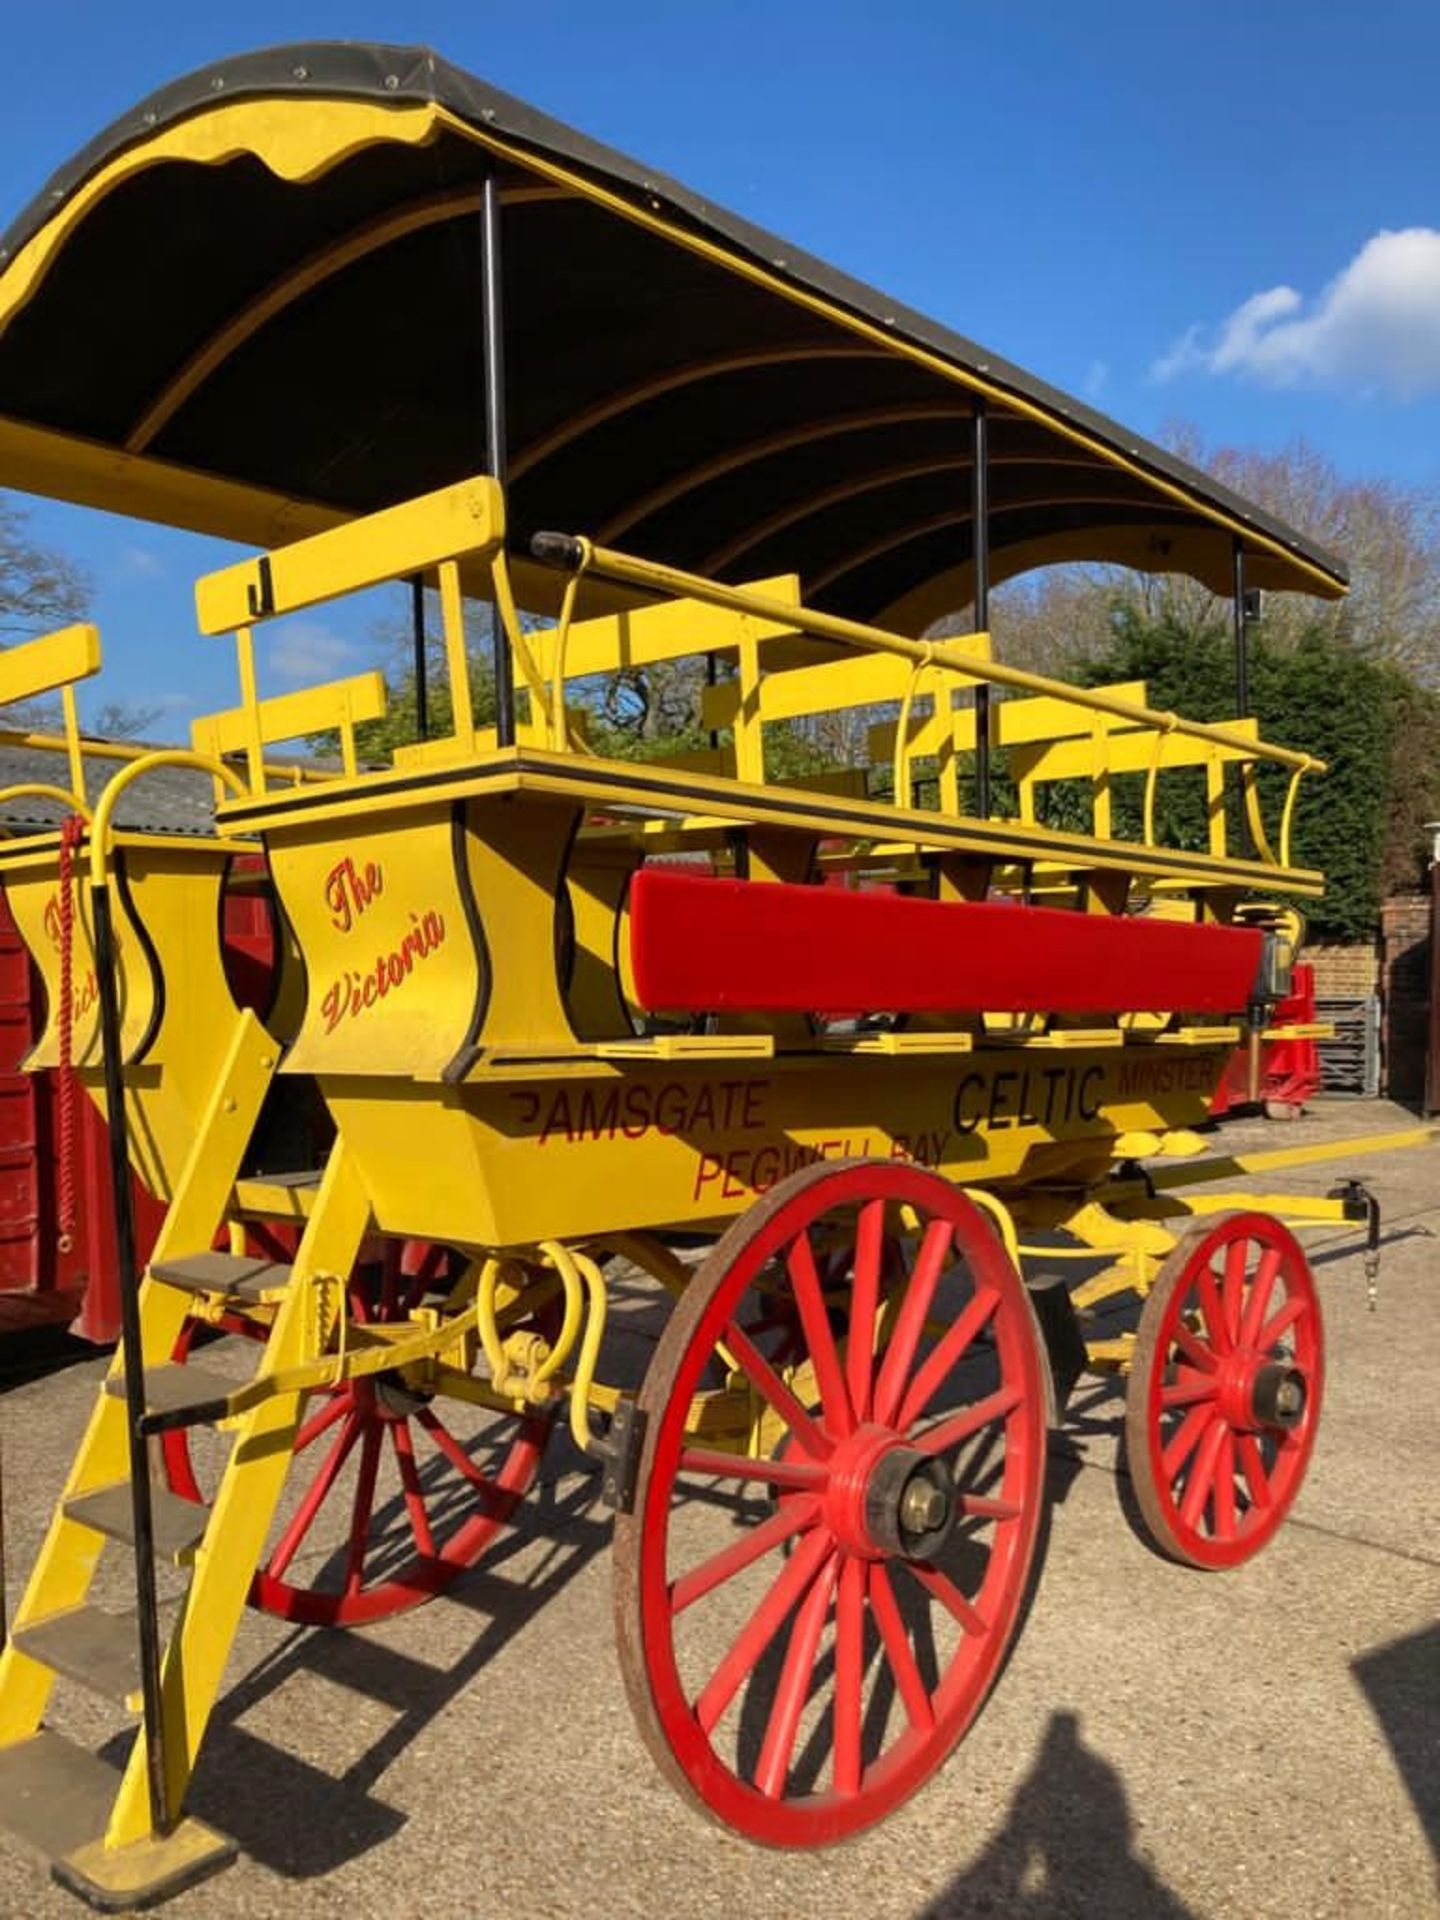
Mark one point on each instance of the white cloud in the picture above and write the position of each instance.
(1376, 327)
(139, 563)
(305, 651)
(1097, 377)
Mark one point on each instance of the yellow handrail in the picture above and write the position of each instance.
(41, 790)
(150, 763)
(569, 551)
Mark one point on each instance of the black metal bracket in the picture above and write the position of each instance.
(1060, 1331)
(1360, 1206)
(261, 597)
(619, 1455)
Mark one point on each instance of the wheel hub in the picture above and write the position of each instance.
(886, 1499)
(1278, 1396)
(1257, 1393)
(394, 1400)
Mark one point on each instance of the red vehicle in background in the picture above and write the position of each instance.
(1289, 1058)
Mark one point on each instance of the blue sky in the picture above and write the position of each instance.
(1227, 214)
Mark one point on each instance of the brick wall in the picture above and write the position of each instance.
(1405, 991)
(1344, 973)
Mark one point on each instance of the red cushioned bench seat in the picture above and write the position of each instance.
(707, 945)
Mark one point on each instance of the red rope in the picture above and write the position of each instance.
(72, 831)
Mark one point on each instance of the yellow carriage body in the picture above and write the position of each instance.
(822, 476)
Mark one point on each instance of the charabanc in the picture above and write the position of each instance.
(844, 1054)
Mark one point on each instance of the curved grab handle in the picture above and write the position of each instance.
(42, 790)
(162, 757)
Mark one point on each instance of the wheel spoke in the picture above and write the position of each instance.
(1216, 1326)
(1201, 1483)
(979, 1506)
(335, 1408)
(819, 1337)
(1184, 1392)
(1232, 1291)
(1252, 1463)
(1194, 1348)
(939, 1236)
(410, 1485)
(1225, 1486)
(794, 1689)
(948, 1351)
(760, 1629)
(864, 1305)
(739, 1466)
(849, 1674)
(363, 1508)
(944, 1589)
(959, 1426)
(796, 1516)
(772, 1388)
(1290, 1315)
(1186, 1437)
(486, 1492)
(896, 1642)
(288, 1544)
(1258, 1299)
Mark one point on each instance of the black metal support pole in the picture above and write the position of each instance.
(417, 635)
(132, 1349)
(1242, 639)
(980, 543)
(493, 330)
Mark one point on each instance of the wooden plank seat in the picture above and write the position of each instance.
(734, 945)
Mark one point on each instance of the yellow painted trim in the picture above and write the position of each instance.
(298, 140)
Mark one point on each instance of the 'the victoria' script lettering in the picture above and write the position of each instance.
(350, 889)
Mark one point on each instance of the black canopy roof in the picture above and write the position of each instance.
(251, 306)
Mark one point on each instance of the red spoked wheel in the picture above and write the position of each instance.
(1224, 1390)
(400, 1504)
(805, 1635)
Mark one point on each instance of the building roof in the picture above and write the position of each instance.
(167, 800)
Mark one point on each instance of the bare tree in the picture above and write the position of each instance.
(39, 588)
(1387, 533)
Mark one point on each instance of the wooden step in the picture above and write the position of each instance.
(101, 1650)
(174, 1390)
(55, 1799)
(54, 1795)
(179, 1525)
(235, 1276)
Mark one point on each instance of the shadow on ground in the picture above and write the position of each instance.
(1067, 1849)
(300, 1819)
(1402, 1683)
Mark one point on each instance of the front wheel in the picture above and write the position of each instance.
(811, 1611)
(1224, 1391)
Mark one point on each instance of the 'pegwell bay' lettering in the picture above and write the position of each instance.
(356, 992)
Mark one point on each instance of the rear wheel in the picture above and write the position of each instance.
(402, 1497)
(806, 1629)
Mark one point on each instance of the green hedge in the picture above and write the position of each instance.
(1380, 734)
